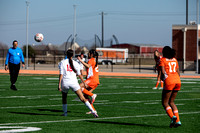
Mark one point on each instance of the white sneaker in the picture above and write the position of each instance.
(95, 114)
(160, 88)
(154, 88)
(93, 98)
(90, 112)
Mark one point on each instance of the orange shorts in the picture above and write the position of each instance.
(91, 83)
(175, 87)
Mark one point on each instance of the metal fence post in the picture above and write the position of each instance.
(112, 65)
(3, 57)
(34, 61)
(139, 64)
(107, 59)
(183, 66)
(54, 59)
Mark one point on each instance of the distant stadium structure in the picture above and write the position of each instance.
(90, 43)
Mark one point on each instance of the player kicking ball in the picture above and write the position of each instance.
(68, 69)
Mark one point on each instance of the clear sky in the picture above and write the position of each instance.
(131, 21)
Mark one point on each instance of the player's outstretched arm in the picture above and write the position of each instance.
(59, 84)
(85, 64)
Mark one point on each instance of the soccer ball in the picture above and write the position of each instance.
(38, 37)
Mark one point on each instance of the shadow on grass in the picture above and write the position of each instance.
(26, 113)
(58, 113)
(128, 124)
(51, 110)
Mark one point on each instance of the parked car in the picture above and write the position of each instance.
(40, 62)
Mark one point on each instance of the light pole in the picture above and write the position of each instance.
(102, 28)
(74, 29)
(27, 9)
(197, 68)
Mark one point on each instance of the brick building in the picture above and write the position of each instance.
(186, 36)
(140, 50)
(190, 41)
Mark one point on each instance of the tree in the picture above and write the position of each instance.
(31, 51)
(3, 46)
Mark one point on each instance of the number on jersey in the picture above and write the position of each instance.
(69, 68)
(97, 69)
(172, 66)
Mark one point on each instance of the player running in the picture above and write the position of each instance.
(172, 84)
(92, 80)
(67, 79)
(157, 58)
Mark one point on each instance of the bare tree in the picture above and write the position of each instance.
(3, 46)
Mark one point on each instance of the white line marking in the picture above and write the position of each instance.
(104, 103)
(14, 129)
(118, 93)
(94, 119)
(153, 103)
(190, 79)
(189, 82)
(37, 78)
(52, 84)
(52, 78)
(180, 104)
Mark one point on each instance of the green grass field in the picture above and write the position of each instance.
(124, 104)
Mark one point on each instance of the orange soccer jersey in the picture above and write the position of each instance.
(92, 74)
(172, 78)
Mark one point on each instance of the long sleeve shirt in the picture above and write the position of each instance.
(14, 55)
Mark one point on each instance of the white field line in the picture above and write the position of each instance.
(37, 78)
(52, 78)
(117, 93)
(100, 103)
(15, 129)
(189, 82)
(153, 103)
(95, 119)
(190, 79)
(180, 104)
(152, 92)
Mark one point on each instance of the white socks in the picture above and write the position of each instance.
(89, 106)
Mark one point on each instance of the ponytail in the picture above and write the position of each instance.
(69, 55)
(97, 56)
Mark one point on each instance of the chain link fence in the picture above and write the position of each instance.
(48, 60)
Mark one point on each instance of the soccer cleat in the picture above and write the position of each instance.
(173, 121)
(177, 124)
(13, 87)
(160, 88)
(154, 88)
(88, 112)
(95, 114)
(93, 98)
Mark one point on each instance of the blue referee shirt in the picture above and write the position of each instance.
(14, 55)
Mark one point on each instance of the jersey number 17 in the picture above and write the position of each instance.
(172, 66)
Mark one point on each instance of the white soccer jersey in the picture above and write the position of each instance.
(67, 72)
(69, 79)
